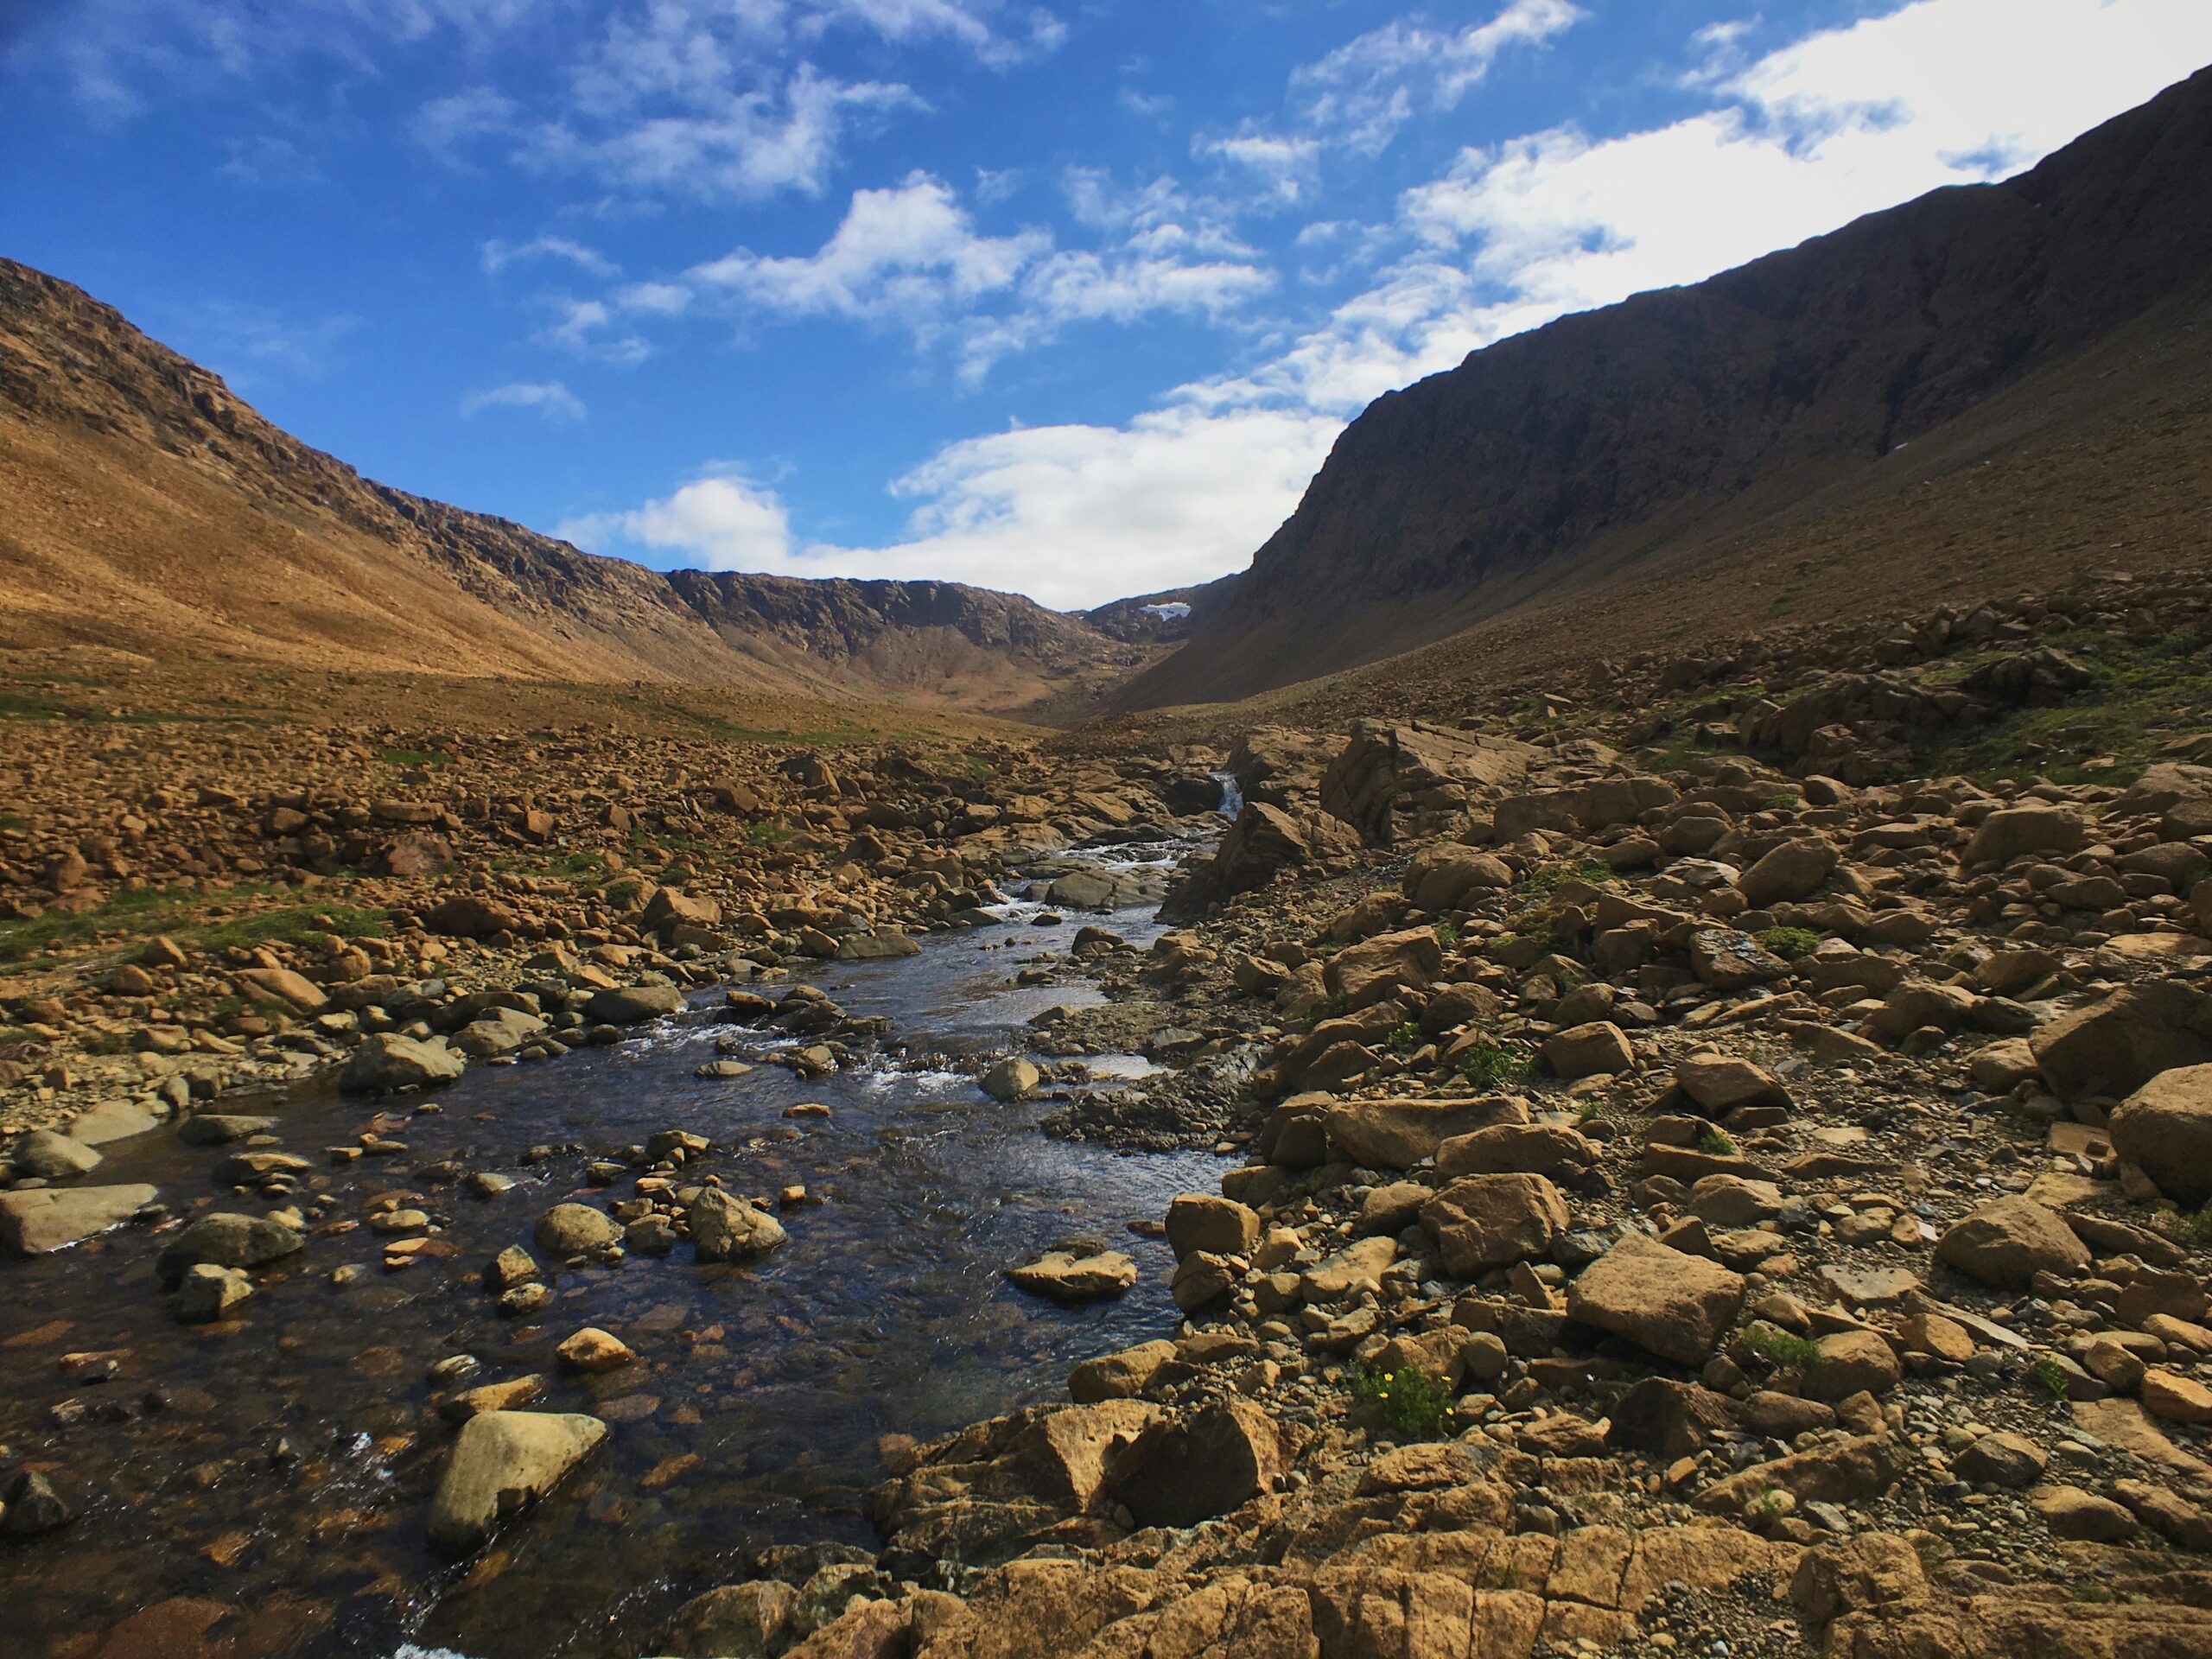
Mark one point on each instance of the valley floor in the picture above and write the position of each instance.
(1716, 1154)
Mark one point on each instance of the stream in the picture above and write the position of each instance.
(281, 1463)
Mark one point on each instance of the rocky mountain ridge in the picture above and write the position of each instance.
(1641, 436)
(152, 508)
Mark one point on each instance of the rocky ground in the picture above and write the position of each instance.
(1714, 1182)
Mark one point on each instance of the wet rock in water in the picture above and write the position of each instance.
(47, 1218)
(207, 1292)
(221, 1128)
(1672, 1304)
(2008, 1241)
(573, 1230)
(1182, 1470)
(738, 1621)
(884, 944)
(633, 1005)
(725, 1228)
(226, 1239)
(501, 1461)
(387, 1063)
(29, 1506)
(2164, 1128)
(1066, 1277)
(53, 1157)
(512, 1266)
(1010, 1079)
(593, 1350)
(523, 1301)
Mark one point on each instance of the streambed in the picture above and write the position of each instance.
(281, 1464)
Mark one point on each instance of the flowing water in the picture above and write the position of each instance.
(282, 1462)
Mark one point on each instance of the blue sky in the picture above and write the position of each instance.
(1063, 296)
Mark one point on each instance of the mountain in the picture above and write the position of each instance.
(149, 509)
(1635, 442)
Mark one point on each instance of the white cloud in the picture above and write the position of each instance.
(1284, 165)
(1073, 516)
(912, 256)
(1364, 92)
(910, 251)
(712, 523)
(549, 398)
(579, 329)
(744, 144)
(444, 125)
(497, 256)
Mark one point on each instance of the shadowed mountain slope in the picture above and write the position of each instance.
(1649, 434)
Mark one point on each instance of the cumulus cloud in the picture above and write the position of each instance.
(549, 398)
(1072, 516)
(912, 256)
(720, 523)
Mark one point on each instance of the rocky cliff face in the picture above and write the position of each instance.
(151, 509)
(1619, 437)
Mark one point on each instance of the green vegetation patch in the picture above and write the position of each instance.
(1418, 1407)
(1789, 943)
(1496, 1062)
(143, 912)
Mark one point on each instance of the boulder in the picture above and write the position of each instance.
(881, 944)
(738, 1621)
(1399, 1134)
(592, 1350)
(1199, 1221)
(1179, 1471)
(1792, 871)
(48, 1218)
(2115, 1045)
(1010, 1079)
(208, 1291)
(1599, 1048)
(227, 1239)
(1122, 1375)
(725, 1228)
(1488, 1220)
(1548, 1149)
(1064, 1277)
(2002, 1459)
(53, 1157)
(1386, 965)
(283, 985)
(501, 1461)
(572, 1230)
(221, 1129)
(471, 916)
(2008, 1241)
(1671, 1303)
(2164, 1128)
(1851, 1361)
(387, 1062)
(1446, 876)
(633, 1005)
(1720, 1084)
(2010, 832)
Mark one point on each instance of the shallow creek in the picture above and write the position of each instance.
(281, 1463)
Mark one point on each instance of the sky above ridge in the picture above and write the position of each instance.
(1068, 297)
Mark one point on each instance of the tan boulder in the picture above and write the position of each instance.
(1488, 1220)
(2008, 1241)
(1674, 1305)
(2164, 1128)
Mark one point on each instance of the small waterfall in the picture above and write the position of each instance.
(1232, 796)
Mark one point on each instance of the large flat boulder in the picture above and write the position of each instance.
(47, 1218)
(2164, 1128)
